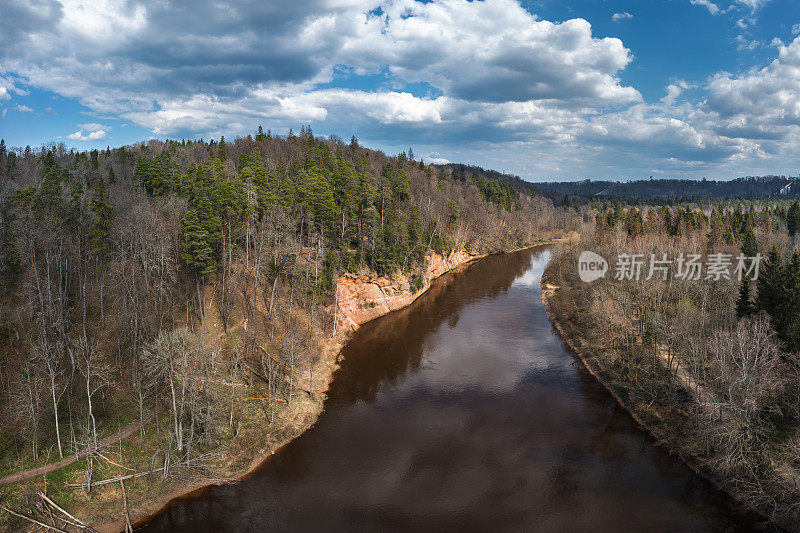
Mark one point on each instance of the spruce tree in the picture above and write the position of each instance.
(49, 198)
(11, 164)
(102, 221)
(222, 150)
(769, 288)
(749, 243)
(76, 203)
(766, 221)
(2, 157)
(789, 323)
(744, 306)
(793, 218)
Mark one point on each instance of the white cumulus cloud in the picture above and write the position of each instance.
(467, 77)
(90, 132)
(761, 103)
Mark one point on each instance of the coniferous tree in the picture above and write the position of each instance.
(202, 229)
(102, 221)
(789, 319)
(2, 157)
(744, 307)
(11, 165)
(49, 198)
(264, 182)
(715, 234)
(100, 231)
(222, 150)
(793, 218)
(766, 221)
(76, 203)
(749, 243)
(769, 288)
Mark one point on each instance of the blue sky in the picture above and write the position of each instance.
(546, 89)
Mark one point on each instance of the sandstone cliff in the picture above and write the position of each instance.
(359, 299)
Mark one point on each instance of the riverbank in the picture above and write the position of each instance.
(659, 423)
(237, 457)
(373, 297)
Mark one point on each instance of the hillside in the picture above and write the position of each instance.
(672, 191)
(196, 280)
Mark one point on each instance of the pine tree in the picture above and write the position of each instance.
(198, 242)
(202, 229)
(232, 200)
(320, 198)
(453, 212)
(160, 175)
(263, 181)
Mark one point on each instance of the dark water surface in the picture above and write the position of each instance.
(466, 411)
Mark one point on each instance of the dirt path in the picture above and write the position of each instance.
(123, 433)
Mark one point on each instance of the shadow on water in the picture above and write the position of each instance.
(465, 411)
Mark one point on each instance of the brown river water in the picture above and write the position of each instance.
(466, 411)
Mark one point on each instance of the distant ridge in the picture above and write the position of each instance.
(672, 190)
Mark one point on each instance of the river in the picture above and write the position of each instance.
(466, 411)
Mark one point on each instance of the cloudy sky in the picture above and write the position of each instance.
(547, 89)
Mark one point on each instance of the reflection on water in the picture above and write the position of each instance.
(466, 411)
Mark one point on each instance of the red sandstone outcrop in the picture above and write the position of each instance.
(361, 298)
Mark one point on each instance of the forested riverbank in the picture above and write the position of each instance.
(198, 279)
(708, 364)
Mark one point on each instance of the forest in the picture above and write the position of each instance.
(186, 289)
(711, 365)
(672, 191)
